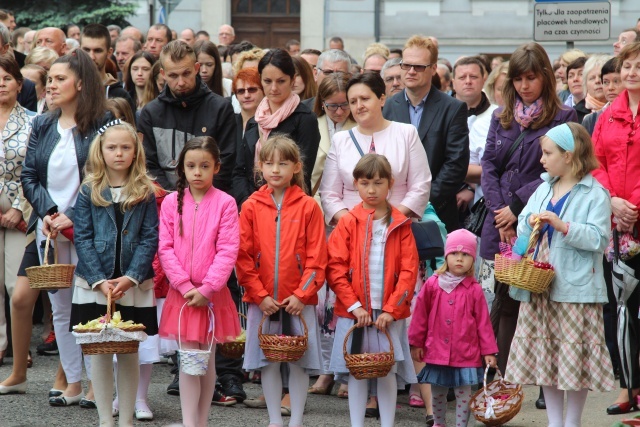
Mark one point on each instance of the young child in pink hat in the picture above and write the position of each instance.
(450, 330)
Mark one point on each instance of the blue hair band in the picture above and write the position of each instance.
(562, 136)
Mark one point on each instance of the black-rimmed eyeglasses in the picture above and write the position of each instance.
(334, 107)
(418, 68)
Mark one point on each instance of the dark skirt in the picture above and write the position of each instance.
(447, 376)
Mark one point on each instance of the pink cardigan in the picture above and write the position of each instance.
(401, 145)
(454, 329)
(205, 254)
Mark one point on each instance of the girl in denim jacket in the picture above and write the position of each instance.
(116, 237)
(559, 339)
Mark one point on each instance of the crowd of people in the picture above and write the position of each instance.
(191, 181)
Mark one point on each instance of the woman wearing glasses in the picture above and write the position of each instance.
(280, 112)
(334, 115)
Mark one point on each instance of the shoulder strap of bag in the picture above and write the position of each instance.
(355, 142)
(512, 150)
(317, 186)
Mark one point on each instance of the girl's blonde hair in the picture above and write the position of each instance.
(445, 267)
(583, 159)
(289, 151)
(370, 166)
(139, 185)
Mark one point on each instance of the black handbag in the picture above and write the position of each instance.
(428, 239)
(477, 215)
(479, 210)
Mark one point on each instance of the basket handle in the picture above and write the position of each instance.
(213, 327)
(45, 258)
(353, 328)
(533, 238)
(486, 371)
(304, 324)
(111, 306)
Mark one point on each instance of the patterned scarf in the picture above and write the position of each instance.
(526, 116)
(267, 121)
(448, 281)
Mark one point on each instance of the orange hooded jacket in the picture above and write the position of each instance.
(348, 269)
(283, 251)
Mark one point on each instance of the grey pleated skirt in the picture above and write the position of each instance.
(375, 341)
(254, 358)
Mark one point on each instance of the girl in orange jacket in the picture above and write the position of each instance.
(281, 264)
(373, 267)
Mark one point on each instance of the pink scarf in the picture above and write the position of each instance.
(448, 281)
(267, 121)
(525, 118)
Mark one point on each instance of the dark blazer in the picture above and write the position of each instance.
(301, 126)
(28, 97)
(444, 134)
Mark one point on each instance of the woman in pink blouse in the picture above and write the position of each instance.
(398, 142)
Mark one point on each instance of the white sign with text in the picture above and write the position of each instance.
(571, 21)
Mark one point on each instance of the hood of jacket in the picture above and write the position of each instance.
(188, 102)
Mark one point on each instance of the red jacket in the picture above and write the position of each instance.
(616, 139)
(282, 251)
(348, 269)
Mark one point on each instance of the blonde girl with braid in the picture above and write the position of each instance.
(199, 240)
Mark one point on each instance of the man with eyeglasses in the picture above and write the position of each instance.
(226, 35)
(441, 121)
(329, 62)
(392, 76)
(627, 36)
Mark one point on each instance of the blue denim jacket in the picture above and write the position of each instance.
(95, 239)
(576, 257)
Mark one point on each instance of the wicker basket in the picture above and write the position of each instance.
(499, 396)
(368, 365)
(283, 348)
(111, 347)
(50, 277)
(234, 349)
(524, 273)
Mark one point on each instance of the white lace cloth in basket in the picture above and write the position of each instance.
(108, 335)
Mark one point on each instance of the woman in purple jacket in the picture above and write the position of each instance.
(511, 174)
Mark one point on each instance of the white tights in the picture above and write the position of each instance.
(554, 399)
(196, 392)
(387, 396)
(102, 377)
(272, 388)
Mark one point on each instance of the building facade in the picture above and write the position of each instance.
(463, 27)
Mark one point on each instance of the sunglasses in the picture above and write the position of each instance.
(416, 67)
(334, 107)
(251, 90)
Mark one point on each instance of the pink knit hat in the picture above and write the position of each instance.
(461, 241)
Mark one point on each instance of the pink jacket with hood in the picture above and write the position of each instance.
(205, 254)
(454, 329)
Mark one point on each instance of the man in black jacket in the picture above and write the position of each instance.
(441, 122)
(186, 108)
(95, 40)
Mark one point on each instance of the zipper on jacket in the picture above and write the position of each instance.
(384, 254)
(193, 233)
(277, 260)
(403, 297)
(365, 272)
(299, 264)
(308, 282)
(258, 260)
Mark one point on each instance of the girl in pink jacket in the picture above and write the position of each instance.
(199, 241)
(450, 330)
